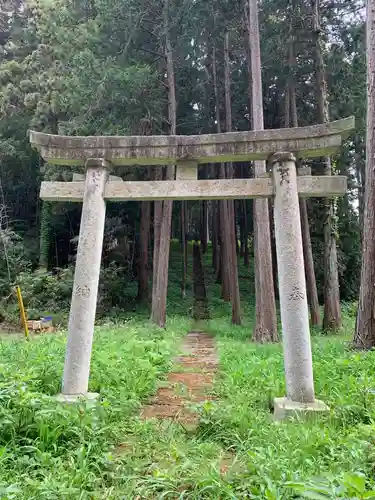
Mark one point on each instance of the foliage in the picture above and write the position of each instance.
(44, 291)
(79, 67)
(45, 235)
(12, 259)
(348, 486)
(105, 450)
(84, 67)
(47, 292)
(49, 450)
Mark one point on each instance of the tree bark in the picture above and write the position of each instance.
(204, 233)
(241, 223)
(248, 43)
(224, 270)
(291, 114)
(246, 260)
(215, 228)
(265, 324)
(143, 290)
(200, 304)
(163, 265)
(232, 246)
(184, 247)
(332, 311)
(364, 337)
(158, 212)
(204, 226)
(165, 230)
(360, 165)
(215, 236)
(237, 231)
(312, 291)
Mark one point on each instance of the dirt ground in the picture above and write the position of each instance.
(188, 384)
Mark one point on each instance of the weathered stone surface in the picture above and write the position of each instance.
(82, 177)
(187, 171)
(86, 280)
(312, 141)
(308, 186)
(77, 398)
(284, 408)
(304, 171)
(186, 152)
(292, 283)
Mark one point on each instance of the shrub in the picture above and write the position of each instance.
(12, 259)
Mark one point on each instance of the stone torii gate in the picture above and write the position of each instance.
(101, 155)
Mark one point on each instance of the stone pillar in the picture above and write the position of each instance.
(86, 280)
(292, 287)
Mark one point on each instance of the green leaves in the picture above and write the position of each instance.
(350, 485)
(51, 450)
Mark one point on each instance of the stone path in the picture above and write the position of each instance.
(189, 383)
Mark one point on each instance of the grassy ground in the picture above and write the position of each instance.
(104, 450)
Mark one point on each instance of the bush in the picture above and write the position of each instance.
(12, 259)
(50, 292)
(46, 291)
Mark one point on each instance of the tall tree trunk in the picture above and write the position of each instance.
(166, 219)
(163, 265)
(204, 218)
(232, 247)
(143, 257)
(200, 303)
(158, 212)
(248, 61)
(250, 104)
(364, 337)
(241, 224)
(237, 231)
(224, 271)
(184, 247)
(204, 226)
(245, 223)
(360, 165)
(215, 236)
(266, 324)
(145, 128)
(45, 235)
(332, 311)
(312, 291)
(215, 228)
(246, 260)
(291, 114)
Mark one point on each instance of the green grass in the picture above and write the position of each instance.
(103, 450)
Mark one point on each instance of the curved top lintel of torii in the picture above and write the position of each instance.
(306, 142)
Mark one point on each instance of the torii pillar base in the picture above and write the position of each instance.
(285, 408)
(72, 399)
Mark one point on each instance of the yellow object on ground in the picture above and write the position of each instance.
(22, 311)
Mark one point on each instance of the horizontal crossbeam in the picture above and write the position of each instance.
(308, 142)
(308, 186)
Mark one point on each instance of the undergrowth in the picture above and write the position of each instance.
(104, 450)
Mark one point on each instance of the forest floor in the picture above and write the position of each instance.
(234, 450)
(188, 384)
(219, 440)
